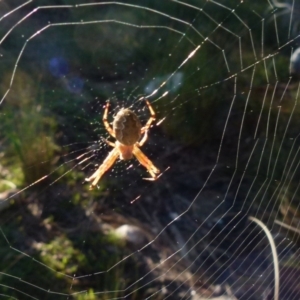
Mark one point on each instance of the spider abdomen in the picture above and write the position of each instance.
(127, 127)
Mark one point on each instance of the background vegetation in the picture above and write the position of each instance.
(52, 115)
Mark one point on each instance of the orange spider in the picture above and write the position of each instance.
(127, 130)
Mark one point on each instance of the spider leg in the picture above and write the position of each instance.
(105, 122)
(109, 142)
(144, 139)
(107, 163)
(151, 119)
(146, 162)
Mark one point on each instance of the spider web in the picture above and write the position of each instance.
(221, 221)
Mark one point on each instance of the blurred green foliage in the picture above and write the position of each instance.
(65, 254)
(28, 131)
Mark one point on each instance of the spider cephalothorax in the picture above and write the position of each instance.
(127, 130)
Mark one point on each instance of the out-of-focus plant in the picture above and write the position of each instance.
(63, 252)
(27, 131)
(291, 218)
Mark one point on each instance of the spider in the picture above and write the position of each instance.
(127, 130)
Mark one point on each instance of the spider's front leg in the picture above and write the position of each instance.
(151, 119)
(105, 121)
(107, 163)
